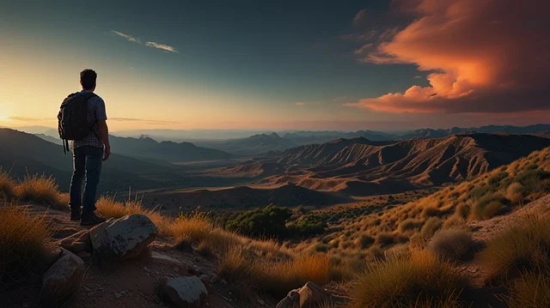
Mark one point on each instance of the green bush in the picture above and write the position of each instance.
(307, 225)
(269, 221)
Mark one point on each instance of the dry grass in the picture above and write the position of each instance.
(453, 244)
(108, 207)
(276, 277)
(23, 243)
(421, 281)
(530, 290)
(524, 247)
(7, 186)
(41, 189)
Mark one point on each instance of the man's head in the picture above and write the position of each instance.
(87, 79)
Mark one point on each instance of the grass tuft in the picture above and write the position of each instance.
(23, 244)
(530, 290)
(453, 244)
(421, 281)
(522, 248)
(41, 189)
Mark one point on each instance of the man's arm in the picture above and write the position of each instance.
(104, 137)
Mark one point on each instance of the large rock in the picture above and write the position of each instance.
(123, 238)
(309, 296)
(61, 279)
(185, 291)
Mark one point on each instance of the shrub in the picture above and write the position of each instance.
(453, 244)
(23, 243)
(384, 239)
(489, 206)
(515, 193)
(364, 241)
(421, 281)
(430, 227)
(431, 211)
(267, 222)
(529, 290)
(533, 179)
(410, 224)
(463, 210)
(40, 189)
(524, 247)
(307, 225)
(496, 179)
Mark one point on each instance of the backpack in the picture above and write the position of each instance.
(73, 118)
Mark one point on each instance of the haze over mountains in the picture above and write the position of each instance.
(253, 143)
(24, 154)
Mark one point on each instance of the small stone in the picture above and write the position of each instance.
(261, 302)
(185, 291)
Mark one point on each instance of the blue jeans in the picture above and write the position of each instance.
(86, 163)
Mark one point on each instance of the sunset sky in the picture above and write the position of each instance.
(342, 65)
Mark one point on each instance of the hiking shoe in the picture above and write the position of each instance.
(75, 214)
(91, 220)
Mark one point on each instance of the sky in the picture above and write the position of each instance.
(280, 65)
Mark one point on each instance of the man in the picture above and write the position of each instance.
(88, 154)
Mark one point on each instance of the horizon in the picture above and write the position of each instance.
(374, 65)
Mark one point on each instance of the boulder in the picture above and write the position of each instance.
(185, 291)
(61, 279)
(123, 238)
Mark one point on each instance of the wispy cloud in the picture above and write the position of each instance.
(133, 39)
(128, 37)
(26, 119)
(141, 120)
(161, 47)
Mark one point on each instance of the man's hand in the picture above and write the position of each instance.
(106, 152)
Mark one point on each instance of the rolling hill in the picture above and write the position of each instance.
(245, 197)
(24, 153)
(173, 152)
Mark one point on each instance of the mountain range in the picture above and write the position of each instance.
(363, 167)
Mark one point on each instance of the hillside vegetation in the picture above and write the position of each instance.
(498, 192)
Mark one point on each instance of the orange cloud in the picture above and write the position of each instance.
(483, 55)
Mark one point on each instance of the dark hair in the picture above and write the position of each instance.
(87, 79)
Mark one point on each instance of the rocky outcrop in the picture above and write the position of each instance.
(309, 296)
(185, 291)
(123, 238)
(61, 279)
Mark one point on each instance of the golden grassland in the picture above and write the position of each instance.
(500, 191)
(406, 256)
